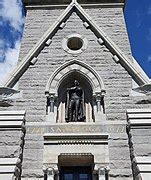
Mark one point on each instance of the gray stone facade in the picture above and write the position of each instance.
(116, 79)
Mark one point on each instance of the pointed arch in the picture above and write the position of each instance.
(83, 69)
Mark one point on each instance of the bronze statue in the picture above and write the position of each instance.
(75, 103)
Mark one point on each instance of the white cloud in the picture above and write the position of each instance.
(2, 46)
(10, 61)
(12, 12)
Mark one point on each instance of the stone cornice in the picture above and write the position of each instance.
(62, 6)
(72, 138)
(65, 2)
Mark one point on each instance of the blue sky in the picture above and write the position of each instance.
(138, 20)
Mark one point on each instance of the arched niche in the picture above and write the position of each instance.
(63, 78)
(87, 93)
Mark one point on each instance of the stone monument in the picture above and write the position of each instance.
(75, 116)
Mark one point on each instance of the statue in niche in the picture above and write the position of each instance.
(75, 104)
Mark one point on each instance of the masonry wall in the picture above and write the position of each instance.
(117, 81)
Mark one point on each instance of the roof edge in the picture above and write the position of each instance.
(66, 2)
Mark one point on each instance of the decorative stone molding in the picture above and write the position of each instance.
(88, 72)
(56, 80)
(58, 2)
(95, 5)
(81, 138)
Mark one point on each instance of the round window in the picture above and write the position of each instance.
(74, 43)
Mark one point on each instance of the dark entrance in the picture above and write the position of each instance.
(76, 173)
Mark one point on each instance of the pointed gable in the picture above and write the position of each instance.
(103, 39)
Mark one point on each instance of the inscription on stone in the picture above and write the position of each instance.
(76, 129)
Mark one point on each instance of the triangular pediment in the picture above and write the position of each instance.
(103, 39)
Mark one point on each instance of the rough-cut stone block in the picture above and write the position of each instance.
(119, 154)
